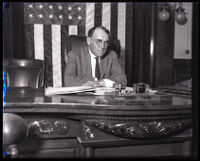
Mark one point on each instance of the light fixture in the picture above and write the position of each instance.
(164, 13)
(180, 14)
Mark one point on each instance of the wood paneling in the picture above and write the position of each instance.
(50, 153)
(13, 30)
(156, 150)
(195, 80)
(182, 70)
(141, 42)
(164, 49)
(153, 46)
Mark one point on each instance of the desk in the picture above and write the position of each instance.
(82, 125)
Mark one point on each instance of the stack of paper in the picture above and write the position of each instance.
(67, 90)
(177, 89)
(103, 90)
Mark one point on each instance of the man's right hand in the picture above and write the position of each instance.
(94, 83)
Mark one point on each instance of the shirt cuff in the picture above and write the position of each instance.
(108, 83)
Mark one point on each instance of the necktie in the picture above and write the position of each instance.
(97, 69)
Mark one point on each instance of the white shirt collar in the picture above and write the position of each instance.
(91, 54)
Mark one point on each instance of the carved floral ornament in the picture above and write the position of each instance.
(49, 127)
(142, 130)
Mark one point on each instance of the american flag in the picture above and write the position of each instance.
(48, 25)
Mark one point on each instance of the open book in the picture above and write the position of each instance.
(67, 90)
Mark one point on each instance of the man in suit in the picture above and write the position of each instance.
(94, 64)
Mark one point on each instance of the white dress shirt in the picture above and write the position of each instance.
(93, 64)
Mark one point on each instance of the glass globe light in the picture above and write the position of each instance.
(164, 15)
(180, 16)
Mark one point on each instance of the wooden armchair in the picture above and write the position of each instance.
(24, 73)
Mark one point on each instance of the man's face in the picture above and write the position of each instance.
(98, 43)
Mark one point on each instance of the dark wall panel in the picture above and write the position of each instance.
(13, 28)
(182, 70)
(164, 50)
(195, 80)
(141, 41)
(129, 44)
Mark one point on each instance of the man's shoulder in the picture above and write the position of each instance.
(112, 54)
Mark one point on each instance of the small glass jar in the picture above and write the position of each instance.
(140, 88)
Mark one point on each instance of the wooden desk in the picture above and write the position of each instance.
(83, 125)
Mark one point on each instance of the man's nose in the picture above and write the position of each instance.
(102, 45)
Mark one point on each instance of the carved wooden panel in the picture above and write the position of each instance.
(49, 127)
(139, 129)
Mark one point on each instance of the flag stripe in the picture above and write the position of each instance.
(114, 15)
(106, 15)
(29, 41)
(56, 55)
(64, 42)
(89, 23)
(81, 30)
(39, 41)
(121, 31)
(48, 55)
(73, 30)
(121, 23)
(98, 14)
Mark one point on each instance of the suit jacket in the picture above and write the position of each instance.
(78, 69)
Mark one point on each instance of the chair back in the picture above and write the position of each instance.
(24, 73)
(76, 42)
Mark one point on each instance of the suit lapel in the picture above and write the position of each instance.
(103, 66)
(88, 62)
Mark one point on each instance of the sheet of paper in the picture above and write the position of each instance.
(103, 90)
(67, 90)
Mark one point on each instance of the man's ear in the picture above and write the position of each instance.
(88, 39)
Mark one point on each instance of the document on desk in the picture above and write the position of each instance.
(67, 90)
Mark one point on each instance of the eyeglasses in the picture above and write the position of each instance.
(99, 42)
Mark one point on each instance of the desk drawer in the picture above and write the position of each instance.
(155, 150)
(54, 148)
(50, 153)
